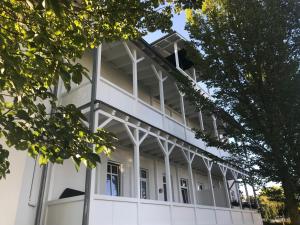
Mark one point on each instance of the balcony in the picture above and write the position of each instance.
(117, 97)
(108, 210)
(204, 198)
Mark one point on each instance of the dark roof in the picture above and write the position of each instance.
(163, 37)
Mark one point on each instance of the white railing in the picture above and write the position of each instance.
(123, 210)
(119, 98)
(109, 210)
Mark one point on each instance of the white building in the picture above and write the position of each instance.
(160, 174)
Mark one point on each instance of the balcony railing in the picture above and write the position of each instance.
(115, 96)
(108, 210)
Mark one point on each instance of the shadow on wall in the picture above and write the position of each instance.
(68, 192)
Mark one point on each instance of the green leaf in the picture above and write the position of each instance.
(77, 162)
(9, 105)
(77, 77)
(43, 160)
(81, 134)
(22, 114)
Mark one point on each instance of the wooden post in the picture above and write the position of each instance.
(224, 172)
(209, 165)
(176, 55)
(190, 169)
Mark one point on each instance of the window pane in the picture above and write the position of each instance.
(183, 182)
(108, 168)
(184, 195)
(114, 186)
(143, 189)
(165, 192)
(113, 179)
(108, 185)
(143, 174)
(114, 169)
(199, 187)
(184, 190)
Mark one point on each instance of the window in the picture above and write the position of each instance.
(113, 179)
(184, 190)
(165, 188)
(144, 184)
(200, 186)
(233, 197)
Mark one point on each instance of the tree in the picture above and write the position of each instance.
(39, 42)
(247, 52)
(272, 203)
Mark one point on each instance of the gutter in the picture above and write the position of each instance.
(88, 177)
(40, 201)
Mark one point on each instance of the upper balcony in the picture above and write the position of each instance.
(133, 81)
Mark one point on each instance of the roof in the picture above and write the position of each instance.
(165, 44)
(170, 37)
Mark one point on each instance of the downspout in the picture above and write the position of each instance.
(39, 206)
(88, 177)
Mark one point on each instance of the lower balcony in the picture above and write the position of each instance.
(108, 210)
(152, 178)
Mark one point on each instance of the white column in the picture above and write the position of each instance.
(237, 189)
(182, 109)
(161, 80)
(194, 75)
(209, 165)
(100, 62)
(189, 159)
(201, 121)
(211, 187)
(168, 178)
(247, 194)
(215, 125)
(178, 183)
(134, 137)
(224, 172)
(226, 191)
(136, 140)
(192, 186)
(137, 164)
(134, 73)
(181, 95)
(161, 95)
(155, 179)
(165, 148)
(255, 196)
(133, 56)
(176, 55)
(228, 188)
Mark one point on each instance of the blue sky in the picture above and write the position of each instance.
(178, 25)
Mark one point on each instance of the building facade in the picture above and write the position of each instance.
(159, 173)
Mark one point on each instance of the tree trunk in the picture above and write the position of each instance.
(291, 201)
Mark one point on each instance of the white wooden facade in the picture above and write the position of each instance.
(160, 173)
